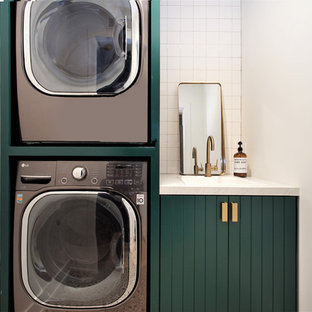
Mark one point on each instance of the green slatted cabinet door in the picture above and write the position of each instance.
(194, 254)
(262, 255)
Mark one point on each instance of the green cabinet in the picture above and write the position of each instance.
(210, 265)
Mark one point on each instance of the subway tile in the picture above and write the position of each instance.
(187, 75)
(187, 11)
(236, 76)
(174, 24)
(163, 62)
(212, 37)
(200, 12)
(173, 75)
(164, 114)
(173, 101)
(226, 51)
(163, 76)
(186, 50)
(173, 167)
(174, 50)
(226, 37)
(212, 76)
(200, 25)
(187, 37)
(187, 63)
(236, 12)
(163, 12)
(212, 50)
(212, 24)
(172, 88)
(226, 12)
(200, 75)
(173, 140)
(225, 77)
(200, 38)
(212, 63)
(174, 12)
(173, 115)
(173, 37)
(173, 63)
(163, 38)
(225, 64)
(172, 130)
(212, 11)
(200, 50)
(236, 63)
(187, 25)
(226, 24)
(236, 37)
(173, 154)
(164, 101)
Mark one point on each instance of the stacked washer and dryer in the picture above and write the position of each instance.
(80, 226)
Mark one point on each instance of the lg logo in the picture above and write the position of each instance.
(23, 165)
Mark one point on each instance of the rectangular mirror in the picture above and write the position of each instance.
(200, 118)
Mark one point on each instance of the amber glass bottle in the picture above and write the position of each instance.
(240, 162)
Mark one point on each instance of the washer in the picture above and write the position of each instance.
(82, 70)
(80, 236)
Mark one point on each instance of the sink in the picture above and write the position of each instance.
(200, 180)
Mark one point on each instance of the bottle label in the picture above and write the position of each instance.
(240, 165)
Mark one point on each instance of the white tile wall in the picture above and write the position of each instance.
(200, 40)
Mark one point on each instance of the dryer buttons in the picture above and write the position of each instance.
(79, 173)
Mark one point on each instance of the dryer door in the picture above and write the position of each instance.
(79, 249)
(82, 47)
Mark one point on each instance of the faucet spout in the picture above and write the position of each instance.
(210, 145)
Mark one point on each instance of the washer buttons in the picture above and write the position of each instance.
(64, 180)
(94, 180)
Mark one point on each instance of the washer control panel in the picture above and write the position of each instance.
(124, 174)
(128, 176)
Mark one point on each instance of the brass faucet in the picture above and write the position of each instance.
(208, 167)
(194, 156)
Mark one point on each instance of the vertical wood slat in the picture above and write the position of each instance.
(290, 255)
(222, 259)
(188, 253)
(256, 252)
(212, 213)
(245, 254)
(177, 254)
(167, 204)
(267, 254)
(278, 254)
(200, 253)
(234, 257)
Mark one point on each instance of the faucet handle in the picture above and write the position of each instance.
(215, 168)
(201, 168)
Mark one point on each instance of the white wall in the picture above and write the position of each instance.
(277, 107)
(200, 40)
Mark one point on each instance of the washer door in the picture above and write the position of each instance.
(82, 47)
(79, 249)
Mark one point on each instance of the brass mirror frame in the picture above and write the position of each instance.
(223, 162)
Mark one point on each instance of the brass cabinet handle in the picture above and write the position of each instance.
(234, 212)
(224, 214)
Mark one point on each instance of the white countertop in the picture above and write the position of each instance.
(174, 184)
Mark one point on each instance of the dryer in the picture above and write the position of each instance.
(80, 236)
(82, 70)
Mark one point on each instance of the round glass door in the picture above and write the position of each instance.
(81, 47)
(79, 249)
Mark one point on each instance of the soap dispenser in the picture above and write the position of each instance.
(240, 162)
